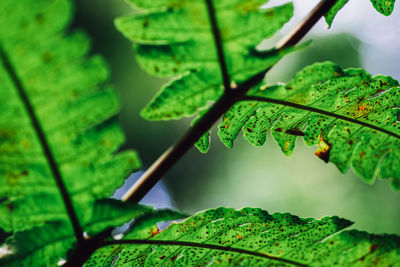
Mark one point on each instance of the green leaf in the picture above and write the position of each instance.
(146, 225)
(143, 227)
(68, 95)
(44, 245)
(385, 7)
(56, 98)
(174, 38)
(252, 237)
(203, 144)
(352, 117)
(334, 10)
(49, 243)
(111, 213)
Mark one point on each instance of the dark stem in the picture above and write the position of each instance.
(202, 245)
(319, 111)
(45, 146)
(293, 38)
(218, 45)
(305, 26)
(228, 99)
(173, 154)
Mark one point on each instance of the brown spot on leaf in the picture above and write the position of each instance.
(146, 23)
(39, 18)
(382, 83)
(155, 231)
(373, 248)
(10, 206)
(26, 143)
(295, 132)
(362, 108)
(324, 149)
(286, 146)
(47, 57)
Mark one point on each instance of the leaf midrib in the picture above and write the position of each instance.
(201, 245)
(319, 111)
(9, 68)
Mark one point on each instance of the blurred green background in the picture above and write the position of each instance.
(246, 175)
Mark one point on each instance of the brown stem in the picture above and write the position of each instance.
(228, 99)
(173, 154)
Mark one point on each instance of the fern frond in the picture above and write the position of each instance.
(352, 117)
(49, 244)
(252, 237)
(58, 136)
(174, 38)
(47, 77)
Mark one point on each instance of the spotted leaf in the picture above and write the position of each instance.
(385, 7)
(352, 116)
(252, 237)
